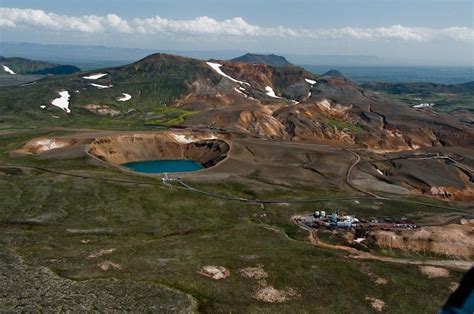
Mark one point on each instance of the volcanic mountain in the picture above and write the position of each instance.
(286, 103)
(266, 104)
(271, 59)
(333, 73)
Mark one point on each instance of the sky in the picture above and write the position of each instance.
(434, 32)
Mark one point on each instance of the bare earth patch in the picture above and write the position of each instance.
(377, 304)
(377, 280)
(40, 145)
(106, 265)
(214, 272)
(381, 281)
(266, 292)
(434, 272)
(271, 295)
(453, 286)
(102, 253)
(362, 255)
(453, 240)
(257, 273)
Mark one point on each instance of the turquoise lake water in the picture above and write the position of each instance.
(162, 166)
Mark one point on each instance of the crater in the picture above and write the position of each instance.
(160, 152)
(163, 166)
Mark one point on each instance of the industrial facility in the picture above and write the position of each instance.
(320, 219)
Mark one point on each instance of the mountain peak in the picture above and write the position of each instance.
(334, 73)
(270, 59)
(160, 56)
(29, 66)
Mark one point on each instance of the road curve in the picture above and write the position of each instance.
(241, 199)
(349, 173)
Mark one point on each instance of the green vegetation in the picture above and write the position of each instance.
(153, 82)
(445, 97)
(344, 125)
(169, 116)
(443, 102)
(28, 66)
(165, 235)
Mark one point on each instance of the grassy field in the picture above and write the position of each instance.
(169, 116)
(165, 235)
(443, 102)
(343, 125)
(153, 85)
(445, 97)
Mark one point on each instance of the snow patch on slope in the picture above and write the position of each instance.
(125, 97)
(240, 92)
(424, 105)
(8, 70)
(311, 82)
(271, 92)
(94, 76)
(63, 101)
(101, 86)
(217, 67)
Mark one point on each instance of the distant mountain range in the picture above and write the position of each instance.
(357, 68)
(28, 66)
(271, 59)
(274, 102)
(99, 56)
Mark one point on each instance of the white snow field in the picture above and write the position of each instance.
(8, 70)
(217, 67)
(125, 97)
(271, 92)
(100, 86)
(94, 76)
(240, 92)
(63, 101)
(424, 105)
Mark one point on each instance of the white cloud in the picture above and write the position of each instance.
(237, 26)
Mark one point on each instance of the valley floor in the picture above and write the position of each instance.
(123, 240)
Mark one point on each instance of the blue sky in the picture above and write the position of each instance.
(325, 13)
(435, 31)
